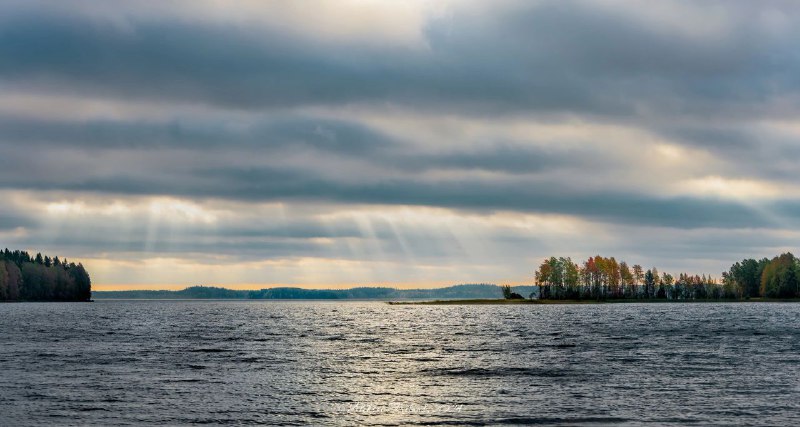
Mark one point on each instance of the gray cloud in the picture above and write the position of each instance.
(10, 220)
(560, 57)
(513, 194)
(254, 163)
(276, 137)
(275, 133)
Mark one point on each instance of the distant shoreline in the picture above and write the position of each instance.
(462, 291)
(500, 301)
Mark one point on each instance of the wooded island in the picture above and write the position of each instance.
(600, 278)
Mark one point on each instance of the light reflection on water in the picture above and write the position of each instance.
(345, 363)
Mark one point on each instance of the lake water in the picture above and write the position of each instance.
(368, 363)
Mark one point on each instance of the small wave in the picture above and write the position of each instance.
(557, 420)
(497, 372)
(564, 345)
(44, 355)
(92, 408)
(209, 350)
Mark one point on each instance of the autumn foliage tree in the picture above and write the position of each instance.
(781, 277)
(602, 278)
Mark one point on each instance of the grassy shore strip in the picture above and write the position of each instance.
(501, 301)
(498, 301)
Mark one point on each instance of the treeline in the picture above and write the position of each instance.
(603, 278)
(778, 277)
(193, 292)
(467, 291)
(41, 278)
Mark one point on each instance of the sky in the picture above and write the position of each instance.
(338, 143)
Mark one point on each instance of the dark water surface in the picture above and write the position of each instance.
(353, 363)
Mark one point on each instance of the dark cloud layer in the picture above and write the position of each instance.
(559, 57)
(249, 163)
(275, 184)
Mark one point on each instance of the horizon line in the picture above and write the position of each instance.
(256, 286)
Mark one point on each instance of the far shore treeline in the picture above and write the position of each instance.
(466, 291)
(40, 278)
(600, 278)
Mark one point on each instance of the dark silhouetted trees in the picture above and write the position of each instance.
(781, 277)
(509, 294)
(649, 283)
(745, 276)
(41, 278)
(775, 278)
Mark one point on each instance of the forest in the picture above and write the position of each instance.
(601, 278)
(41, 278)
(465, 291)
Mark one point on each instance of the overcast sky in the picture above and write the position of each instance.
(413, 143)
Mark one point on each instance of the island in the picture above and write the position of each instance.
(606, 280)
